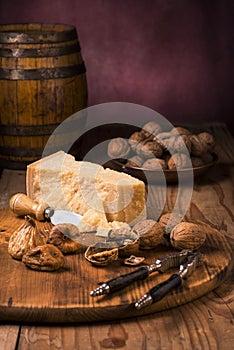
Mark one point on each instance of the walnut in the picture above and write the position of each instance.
(169, 143)
(178, 161)
(135, 139)
(154, 164)
(187, 235)
(46, 257)
(201, 143)
(177, 143)
(196, 146)
(101, 257)
(67, 238)
(197, 162)
(28, 236)
(168, 221)
(162, 139)
(148, 149)
(207, 140)
(151, 129)
(118, 148)
(180, 130)
(135, 161)
(150, 232)
(182, 144)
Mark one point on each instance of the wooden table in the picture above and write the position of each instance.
(206, 323)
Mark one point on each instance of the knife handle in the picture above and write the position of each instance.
(21, 204)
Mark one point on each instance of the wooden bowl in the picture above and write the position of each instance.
(155, 176)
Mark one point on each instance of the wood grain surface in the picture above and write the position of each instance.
(205, 323)
(63, 296)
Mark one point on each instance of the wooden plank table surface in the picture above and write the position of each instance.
(206, 323)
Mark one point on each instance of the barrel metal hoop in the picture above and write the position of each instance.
(20, 151)
(37, 37)
(27, 130)
(40, 52)
(16, 164)
(42, 73)
(24, 152)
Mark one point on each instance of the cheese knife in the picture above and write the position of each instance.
(21, 204)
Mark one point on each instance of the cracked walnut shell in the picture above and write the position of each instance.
(101, 257)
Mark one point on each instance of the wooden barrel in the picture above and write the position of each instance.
(43, 81)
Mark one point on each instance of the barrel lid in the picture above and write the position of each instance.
(26, 33)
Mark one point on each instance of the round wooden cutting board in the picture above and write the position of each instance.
(63, 296)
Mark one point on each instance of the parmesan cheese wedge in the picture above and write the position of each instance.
(100, 195)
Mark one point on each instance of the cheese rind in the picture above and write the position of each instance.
(61, 182)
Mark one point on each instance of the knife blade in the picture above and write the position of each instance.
(21, 204)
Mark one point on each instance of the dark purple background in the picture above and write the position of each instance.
(175, 57)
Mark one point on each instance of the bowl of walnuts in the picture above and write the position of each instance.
(151, 152)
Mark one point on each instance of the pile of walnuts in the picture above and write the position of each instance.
(152, 148)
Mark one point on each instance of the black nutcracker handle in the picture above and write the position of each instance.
(121, 281)
(162, 289)
(124, 280)
(159, 291)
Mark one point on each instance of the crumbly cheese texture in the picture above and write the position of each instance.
(101, 195)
